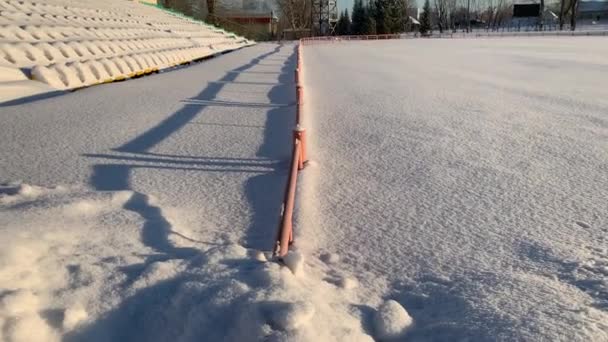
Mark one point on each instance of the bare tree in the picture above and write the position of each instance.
(296, 13)
(568, 8)
(504, 11)
(452, 9)
(573, 13)
(541, 15)
(562, 13)
(441, 11)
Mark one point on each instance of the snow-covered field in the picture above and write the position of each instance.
(456, 191)
(465, 179)
(66, 44)
(130, 215)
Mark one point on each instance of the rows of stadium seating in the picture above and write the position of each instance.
(69, 44)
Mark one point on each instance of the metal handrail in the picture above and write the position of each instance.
(285, 236)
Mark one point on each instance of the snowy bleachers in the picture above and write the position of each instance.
(68, 44)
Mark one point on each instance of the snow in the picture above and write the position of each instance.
(137, 215)
(452, 176)
(348, 283)
(68, 45)
(292, 315)
(391, 321)
(295, 262)
(330, 258)
(445, 199)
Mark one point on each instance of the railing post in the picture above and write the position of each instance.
(286, 232)
(299, 134)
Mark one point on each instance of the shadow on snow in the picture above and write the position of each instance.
(134, 319)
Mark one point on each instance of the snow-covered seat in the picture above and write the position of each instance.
(68, 44)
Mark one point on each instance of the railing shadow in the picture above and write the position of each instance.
(264, 191)
(179, 119)
(114, 173)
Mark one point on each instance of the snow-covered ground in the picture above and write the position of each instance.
(457, 191)
(465, 179)
(65, 44)
(132, 215)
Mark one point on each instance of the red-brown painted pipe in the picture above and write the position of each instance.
(300, 94)
(286, 235)
(300, 134)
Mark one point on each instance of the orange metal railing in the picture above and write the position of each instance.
(298, 159)
(334, 39)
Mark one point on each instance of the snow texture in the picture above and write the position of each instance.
(67, 45)
(295, 262)
(472, 195)
(140, 216)
(391, 321)
(465, 179)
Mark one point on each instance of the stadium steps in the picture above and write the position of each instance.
(68, 44)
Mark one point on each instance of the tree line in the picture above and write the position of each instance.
(374, 17)
(396, 16)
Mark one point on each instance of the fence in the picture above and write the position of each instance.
(519, 34)
(284, 236)
(331, 39)
(335, 39)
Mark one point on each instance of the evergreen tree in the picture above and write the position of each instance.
(389, 15)
(369, 23)
(340, 25)
(425, 18)
(363, 21)
(396, 14)
(343, 24)
(379, 10)
(348, 21)
(359, 18)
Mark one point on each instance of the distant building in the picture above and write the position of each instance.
(594, 10)
(413, 12)
(527, 14)
(526, 10)
(263, 23)
(412, 22)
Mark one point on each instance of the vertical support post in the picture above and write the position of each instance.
(299, 134)
(286, 236)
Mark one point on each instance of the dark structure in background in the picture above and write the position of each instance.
(526, 10)
(526, 15)
(253, 19)
(593, 10)
(324, 17)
